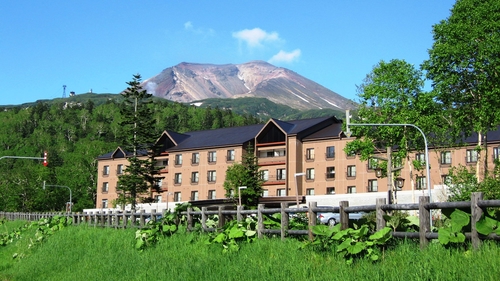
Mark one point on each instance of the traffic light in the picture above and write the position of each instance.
(45, 162)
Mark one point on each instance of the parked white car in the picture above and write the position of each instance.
(333, 218)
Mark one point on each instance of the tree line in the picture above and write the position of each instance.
(74, 135)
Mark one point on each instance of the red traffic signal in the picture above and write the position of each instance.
(45, 163)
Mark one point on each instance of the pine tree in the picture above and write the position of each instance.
(245, 174)
(141, 175)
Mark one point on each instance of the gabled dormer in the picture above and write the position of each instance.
(274, 132)
(169, 139)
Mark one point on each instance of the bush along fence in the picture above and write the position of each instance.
(467, 220)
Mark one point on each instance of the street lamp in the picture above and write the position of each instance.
(168, 193)
(70, 203)
(239, 193)
(297, 187)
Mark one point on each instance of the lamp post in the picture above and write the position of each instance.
(70, 202)
(297, 187)
(168, 193)
(239, 193)
(427, 168)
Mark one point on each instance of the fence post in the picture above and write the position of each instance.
(153, 215)
(260, 220)
(344, 217)
(284, 220)
(238, 212)
(189, 219)
(124, 220)
(476, 214)
(424, 216)
(311, 218)
(203, 218)
(222, 218)
(141, 218)
(381, 223)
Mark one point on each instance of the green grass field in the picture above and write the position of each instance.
(88, 253)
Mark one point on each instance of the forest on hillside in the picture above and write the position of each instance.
(74, 134)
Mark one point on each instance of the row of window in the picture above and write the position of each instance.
(329, 154)
(195, 177)
(211, 157)
(106, 170)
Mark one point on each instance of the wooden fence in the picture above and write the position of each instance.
(127, 219)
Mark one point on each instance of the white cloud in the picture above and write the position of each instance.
(188, 25)
(255, 37)
(201, 31)
(283, 56)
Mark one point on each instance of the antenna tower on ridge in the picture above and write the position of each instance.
(64, 91)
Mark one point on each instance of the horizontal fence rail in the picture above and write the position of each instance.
(121, 219)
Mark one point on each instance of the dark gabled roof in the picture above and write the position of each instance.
(332, 131)
(491, 136)
(177, 137)
(121, 153)
(235, 135)
(297, 126)
(218, 137)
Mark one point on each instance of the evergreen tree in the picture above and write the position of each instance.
(138, 126)
(245, 174)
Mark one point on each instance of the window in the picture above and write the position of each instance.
(372, 185)
(471, 156)
(177, 196)
(372, 163)
(194, 195)
(119, 169)
(351, 189)
(420, 157)
(230, 155)
(265, 193)
(104, 203)
(158, 198)
(159, 182)
(272, 153)
(351, 154)
(330, 152)
(195, 177)
(211, 194)
(310, 191)
(446, 157)
(105, 187)
(281, 174)
(177, 178)
(212, 176)
(330, 190)
(280, 192)
(445, 179)
(178, 159)
(195, 158)
(421, 182)
(264, 175)
(310, 154)
(330, 172)
(496, 153)
(310, 174)
(105, 170)
(351, 171)
(212, 156)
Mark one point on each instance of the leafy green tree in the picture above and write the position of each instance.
(392, 94)
(464, 65)
(141, 175)
(246, 174)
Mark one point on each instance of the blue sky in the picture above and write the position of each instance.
(100, 44)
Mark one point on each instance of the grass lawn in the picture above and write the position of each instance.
(88, 253)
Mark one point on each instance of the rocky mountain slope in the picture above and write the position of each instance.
(191, 82)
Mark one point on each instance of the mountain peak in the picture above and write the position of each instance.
(189, 82)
